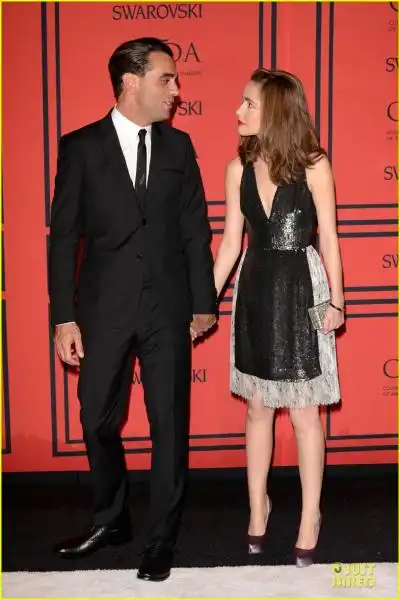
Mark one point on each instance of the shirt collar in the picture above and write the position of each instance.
(127, 130)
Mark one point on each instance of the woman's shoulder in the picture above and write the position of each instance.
(320, 169)
(234, 169)
(319, 163)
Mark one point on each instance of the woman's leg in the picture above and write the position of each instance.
(259, 443)
(311, 453)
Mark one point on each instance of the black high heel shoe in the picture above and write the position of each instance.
(305, 557)
(256, 542)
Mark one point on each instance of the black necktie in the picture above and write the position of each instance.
(141, 167)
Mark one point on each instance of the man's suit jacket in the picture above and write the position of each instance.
(94, 200)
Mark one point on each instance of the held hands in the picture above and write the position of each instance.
(201, 324)
(334, 319)
(68, 342)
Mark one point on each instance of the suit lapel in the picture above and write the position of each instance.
(157, 156)
(115, 160)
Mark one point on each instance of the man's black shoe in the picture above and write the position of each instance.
(99, 536)
(156, 565)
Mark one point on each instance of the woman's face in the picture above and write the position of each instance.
(249, 112)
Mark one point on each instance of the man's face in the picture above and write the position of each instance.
(157, 89)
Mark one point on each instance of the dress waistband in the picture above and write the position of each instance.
(279, 250)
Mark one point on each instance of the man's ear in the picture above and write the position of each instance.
(130, 82)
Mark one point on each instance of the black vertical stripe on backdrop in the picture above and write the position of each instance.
(66, 404)
(45, 106)
(58, 118)
(329, 149)
(330, 77)
(317, 75)
(58, 81)
(261, 34)
(53, 399)
(318, 28)
(2, 195)
(3, 271)
(6, 393)
(274, 19)
(46, 164)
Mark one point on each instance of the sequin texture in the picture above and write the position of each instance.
(275, 351)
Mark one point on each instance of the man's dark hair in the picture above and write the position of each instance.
(133, 57)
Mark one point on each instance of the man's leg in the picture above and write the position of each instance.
(103, 390)
(164, 351)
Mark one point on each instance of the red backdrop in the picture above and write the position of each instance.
(55, 80)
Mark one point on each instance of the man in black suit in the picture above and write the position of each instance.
(130, 187)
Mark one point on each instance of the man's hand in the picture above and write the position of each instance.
(201, 324)
(68, 342)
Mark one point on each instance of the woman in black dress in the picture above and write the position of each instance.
(281, 188)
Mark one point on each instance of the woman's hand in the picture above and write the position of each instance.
(333, 319)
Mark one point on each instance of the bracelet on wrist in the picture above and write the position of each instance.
(336, 307)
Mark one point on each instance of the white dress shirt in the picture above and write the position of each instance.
(128, 136)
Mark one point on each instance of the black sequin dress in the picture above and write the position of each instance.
(275, 352)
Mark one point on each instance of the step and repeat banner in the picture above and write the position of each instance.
(55, 80)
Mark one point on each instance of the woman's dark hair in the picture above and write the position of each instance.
(287, 139)
(133, 57)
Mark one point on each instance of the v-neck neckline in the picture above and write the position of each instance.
(267, 216)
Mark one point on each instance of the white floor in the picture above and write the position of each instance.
(220, 582)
